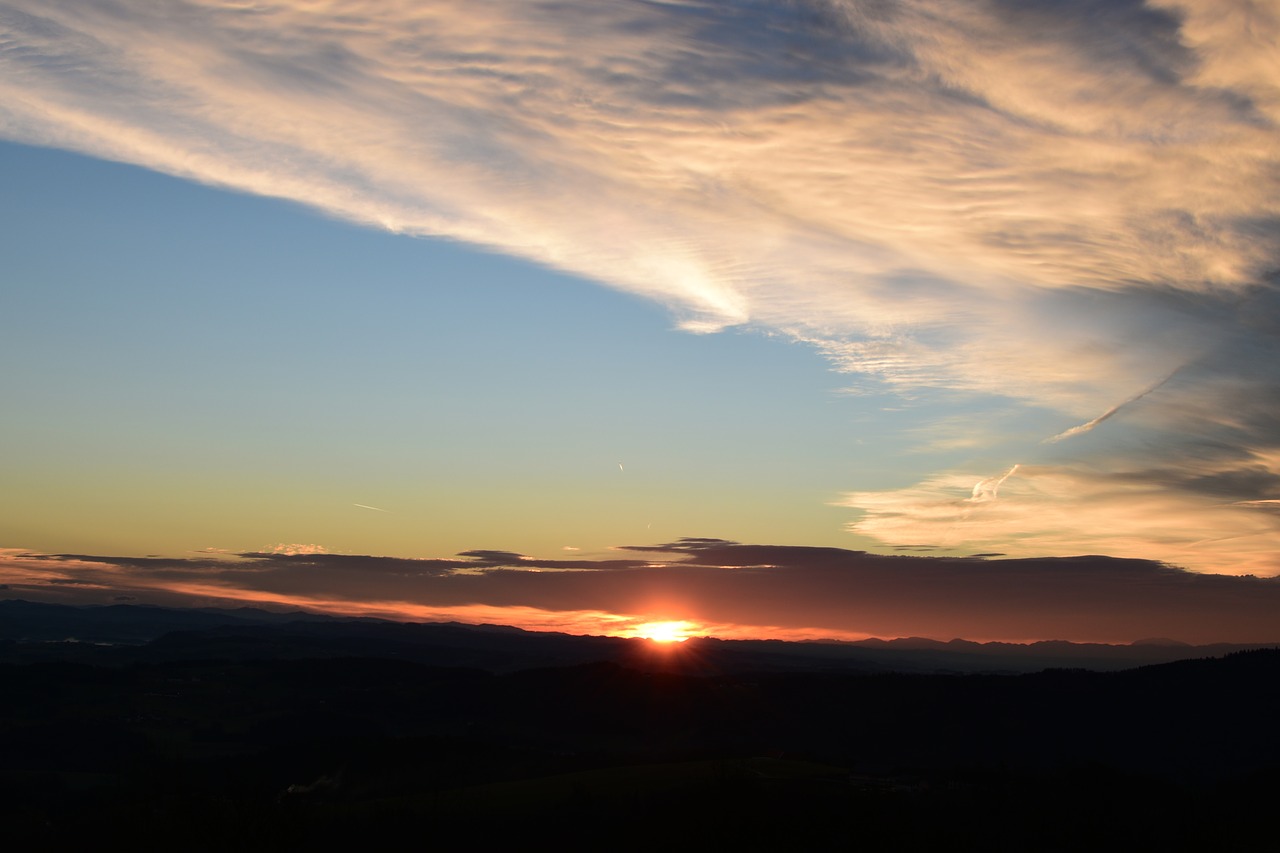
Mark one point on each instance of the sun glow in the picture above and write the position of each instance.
(665, 632)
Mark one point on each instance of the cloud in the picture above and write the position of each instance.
(741, 159)
(1048, 509)
(296, 548)
(1183, 477)
(1046, 202)
(727, 588)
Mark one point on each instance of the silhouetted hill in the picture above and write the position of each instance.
(286, 732)
(311, 752)
(33, 622)
(124, 634)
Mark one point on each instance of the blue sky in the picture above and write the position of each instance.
(909, 277)
(243, 371)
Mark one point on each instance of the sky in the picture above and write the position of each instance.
(804, 319)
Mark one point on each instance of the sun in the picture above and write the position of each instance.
(665, 632)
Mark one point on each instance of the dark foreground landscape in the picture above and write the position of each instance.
(172, 729)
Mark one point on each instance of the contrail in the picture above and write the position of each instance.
(1085, 427)
(374, 508)
(989, 489)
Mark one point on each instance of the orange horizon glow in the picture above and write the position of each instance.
(672, 631)
(19, 571)
(82, 580)
(576, 622)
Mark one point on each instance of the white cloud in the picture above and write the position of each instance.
(1068, 510)
(295, 548)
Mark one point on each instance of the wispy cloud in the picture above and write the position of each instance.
(1050, 202)
(741, 159)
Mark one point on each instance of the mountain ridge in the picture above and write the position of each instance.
(129, 633)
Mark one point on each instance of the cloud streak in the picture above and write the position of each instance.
(1044, 202)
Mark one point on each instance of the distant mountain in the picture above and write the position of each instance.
(125, 624)
(1160, 641)
(124, 634)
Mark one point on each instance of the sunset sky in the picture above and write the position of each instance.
(831, 318)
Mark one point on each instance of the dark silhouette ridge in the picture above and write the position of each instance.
(316, 734)
(122, 634)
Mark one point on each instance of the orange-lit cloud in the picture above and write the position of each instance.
(706, 587)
